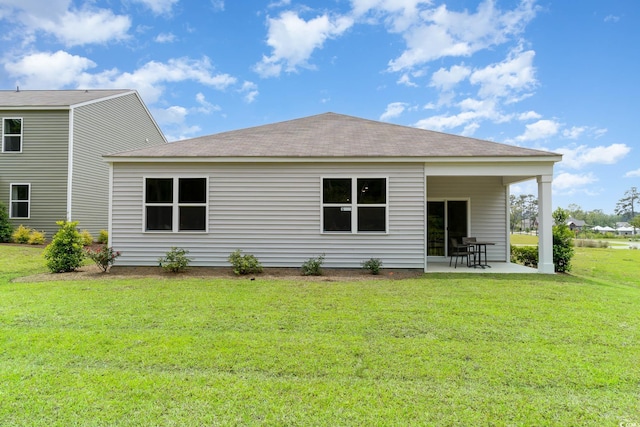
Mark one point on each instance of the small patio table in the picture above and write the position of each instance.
(480, 248)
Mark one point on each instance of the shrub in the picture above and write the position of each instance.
(562, 242)
(525, 255)
(103, 257)
(244, 264)
(175, 260)
(103, 237)
(87, 238)
(36, 237)
(65, 253)
(6, 229)
(588, 243)
(312, 266)
(21, 234)
(373, 265)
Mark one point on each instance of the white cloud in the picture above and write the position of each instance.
(218, 5)
(80, 27)
(445, 80)
(580, 156)
(250, 91)
(293, 41)
(394, 109)
(205, 106)
(165, 38)
(149, 78)
(612, 18)
(633, 174)
(472, 111)
(46, 70)
(158, 6)
(406, 80)
(572, 182)
(539, 130)
(514, 75)
(437, 32)
(529, 115)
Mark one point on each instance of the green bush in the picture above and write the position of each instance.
(525, 255)
(588, 243)
(103, 257)
(103, 236)
(175, 260)
(6, 229)
(87, 238)
(65, 253)
(562, 242)
(36, 237)
(21, 234)
(312, 266)
(244, 264)
(373, 265)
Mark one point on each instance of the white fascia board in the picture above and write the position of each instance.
(447, 163)
(106, 98)
(36, 108)
(516, 169)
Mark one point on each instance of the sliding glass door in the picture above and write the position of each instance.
(445, 219)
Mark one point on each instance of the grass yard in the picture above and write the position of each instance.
(523, 239)
(449, 349)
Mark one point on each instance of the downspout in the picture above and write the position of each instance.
(426, 219)
(70, 167)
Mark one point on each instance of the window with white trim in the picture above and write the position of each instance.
(20, 201)
(354, 205)
(12, 135)
(175, 204)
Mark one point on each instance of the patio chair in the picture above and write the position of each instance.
(469, 242)
(458, 251)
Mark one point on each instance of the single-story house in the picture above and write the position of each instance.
(576, 224)
(349, 188)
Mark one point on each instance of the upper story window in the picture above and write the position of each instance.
(175, 204)
(20, 201)
(354, 205)
(11, 135)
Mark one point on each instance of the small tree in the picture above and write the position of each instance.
(562, 241)
(65, 253)
(6, 229)
(635, 223)
(626, 206)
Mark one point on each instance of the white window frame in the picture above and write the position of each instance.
(175, 226)
(12, 134)
(354, 205)
(28, 201)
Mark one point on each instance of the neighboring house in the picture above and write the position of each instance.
(575, 224)
(624, 229)
(51, 165)
(349, 188)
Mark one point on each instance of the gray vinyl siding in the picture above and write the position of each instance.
(42, 163)
(272, 211)
(105, 127)
(487, 198)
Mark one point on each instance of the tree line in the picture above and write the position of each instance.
(524, 211)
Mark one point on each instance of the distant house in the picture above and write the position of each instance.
(624, 229)
(349, 188)
(51, 165)
(575, 224)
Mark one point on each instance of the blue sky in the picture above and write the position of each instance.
(554, 75)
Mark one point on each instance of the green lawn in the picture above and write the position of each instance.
(524, 239)
(450, 349)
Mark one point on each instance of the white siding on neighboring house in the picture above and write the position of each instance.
(487, 198)
(105, 127)
(272, 211)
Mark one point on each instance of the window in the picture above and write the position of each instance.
(19, 200)
(354, 205)
(175, 204)
(12, 135)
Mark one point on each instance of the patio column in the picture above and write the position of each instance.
(545, 225)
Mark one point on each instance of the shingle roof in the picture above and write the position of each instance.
(332, 135)
(53, 98)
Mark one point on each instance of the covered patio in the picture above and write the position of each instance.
(442, 266)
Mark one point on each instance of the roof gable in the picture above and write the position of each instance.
(332, 135)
